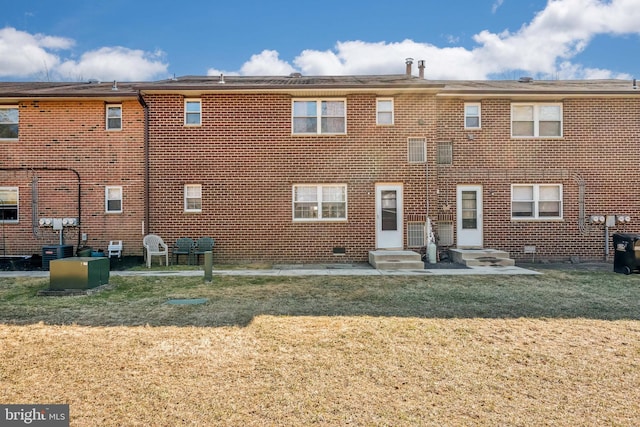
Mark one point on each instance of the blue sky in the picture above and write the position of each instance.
(125, 40)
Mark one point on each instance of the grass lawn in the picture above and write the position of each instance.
(562, 348)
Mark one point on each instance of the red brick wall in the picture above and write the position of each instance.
(72, 135)
(247, 161)
(599, 146)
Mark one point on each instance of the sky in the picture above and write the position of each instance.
(133, 40)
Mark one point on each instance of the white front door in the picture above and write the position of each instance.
(389, 214)
(469, 215)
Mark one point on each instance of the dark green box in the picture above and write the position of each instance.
(78, 273)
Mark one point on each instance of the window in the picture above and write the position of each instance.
(319, 117)
(8, 204)
(113, 199)
(192, 112)
(416, 150)
(444, 233)
(8, 122)
(536, 201)
(536, 120)
(114, 117)
(445, 153)
(415, 234)
(319, 202)
(384, 111)
(472, 116)
(193, 198)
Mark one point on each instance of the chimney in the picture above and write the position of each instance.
(421, 68)
(409, 62)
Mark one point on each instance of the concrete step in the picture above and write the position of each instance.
(396, 260)
(481, 257)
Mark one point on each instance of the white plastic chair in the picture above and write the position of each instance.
(115, 248)
(155, 246)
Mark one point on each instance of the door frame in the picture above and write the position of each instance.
(469, 238)
(390, 239)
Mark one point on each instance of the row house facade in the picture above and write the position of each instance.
(323, 169)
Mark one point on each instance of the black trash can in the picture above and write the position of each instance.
(627, 253)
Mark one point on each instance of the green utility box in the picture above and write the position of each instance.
(78, 273)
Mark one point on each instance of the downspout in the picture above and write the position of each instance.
(145, 226)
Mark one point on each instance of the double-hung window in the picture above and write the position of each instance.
(384, 111)
(536, 201)
(8, 122)
(319, 116)
(192, 112)
(8, 204)
(319, 202)
(113, 199)
(193, 198)
(114, 117)
(536, 120)
(472, 115)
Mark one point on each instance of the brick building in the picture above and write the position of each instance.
(325, 169)
(70, 151)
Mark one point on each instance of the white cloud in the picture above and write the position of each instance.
(114, 63)
(22, 53)
(544, 47)
(38, 56)
(496, 5)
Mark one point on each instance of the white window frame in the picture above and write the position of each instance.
(191, 195)
(318, 115)
(113, 107)
(188, 113)
(319, 202)
(5, 121)
(536, 202)
(4, 204)
(536, 119)
(468, 115)
(380, 112)
(108, 197)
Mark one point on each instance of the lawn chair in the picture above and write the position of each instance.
(115, 248)
(154, 246)
(204, 244)
(183, 246)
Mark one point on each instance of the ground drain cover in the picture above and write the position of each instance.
(188, 301)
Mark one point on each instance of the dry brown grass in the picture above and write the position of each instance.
(296, 354)
(331, 371)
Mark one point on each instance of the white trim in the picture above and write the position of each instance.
(107, 108)
(318, 116)
(319, 202)
(536, 203)
(536, 119)
(187, 113)
(11, 107)
(392, 112)
(17, 191)
(479, 115)
(107, 199)
(186, 186)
